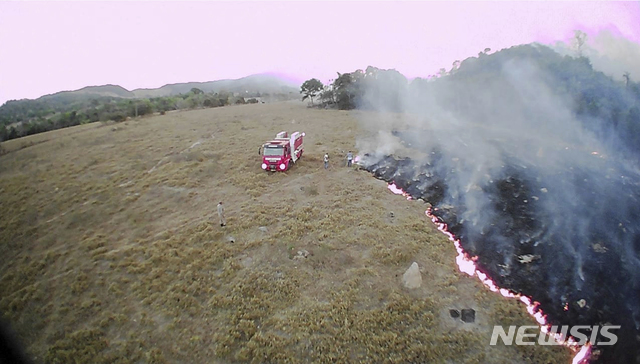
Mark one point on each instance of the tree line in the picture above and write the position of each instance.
(473, 88)
(20, 118)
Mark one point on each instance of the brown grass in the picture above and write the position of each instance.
(111, 250)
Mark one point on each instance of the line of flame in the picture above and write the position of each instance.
(467, 265)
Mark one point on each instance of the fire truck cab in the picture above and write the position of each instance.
(278, 154)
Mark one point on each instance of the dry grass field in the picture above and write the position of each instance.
(111, 251)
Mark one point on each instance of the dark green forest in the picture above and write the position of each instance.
(478, 88)
(20, 118)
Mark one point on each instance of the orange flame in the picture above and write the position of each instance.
(398, 191)
(582, 357)
(467, 265)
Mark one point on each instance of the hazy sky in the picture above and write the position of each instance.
(55, 46)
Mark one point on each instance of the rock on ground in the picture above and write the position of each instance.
(412, 278)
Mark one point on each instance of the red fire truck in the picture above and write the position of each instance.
(279, 153)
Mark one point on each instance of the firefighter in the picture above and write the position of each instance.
(223, 221)
(349, 159)
(326, 160)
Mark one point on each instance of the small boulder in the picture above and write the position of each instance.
(302, 254)
(231, 239)
(412, 277)
(468, 315)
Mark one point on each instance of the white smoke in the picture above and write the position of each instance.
(511, 118)
(520, 120)
(613, 55)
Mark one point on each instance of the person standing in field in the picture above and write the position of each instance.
(223, 221)
(326, 161)
(349, 159)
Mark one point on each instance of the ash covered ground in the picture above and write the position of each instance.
(569, 239)
(522, 154)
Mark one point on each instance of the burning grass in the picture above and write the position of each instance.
(111, 251)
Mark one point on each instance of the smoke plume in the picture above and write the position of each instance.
(546, 197)
(613, 55)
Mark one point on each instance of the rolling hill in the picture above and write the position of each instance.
(89, 92)
(263, 83)
(255, 83)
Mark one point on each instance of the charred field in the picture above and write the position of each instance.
(575, 256)
(111, 252)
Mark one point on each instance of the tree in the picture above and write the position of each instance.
(4, 133)
(454, 66)
(578, 41)
(348, 89)
(327, 96)
(143, 107)
(12, 133)
(343, 91)
(311, 88)
(626, 79)
(224, 97)
(381, 89)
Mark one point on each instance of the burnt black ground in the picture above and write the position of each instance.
(582, 272)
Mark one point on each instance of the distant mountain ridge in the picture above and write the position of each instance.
(88, 92)
(263, 83)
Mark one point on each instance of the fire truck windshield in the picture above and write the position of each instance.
(273, 152)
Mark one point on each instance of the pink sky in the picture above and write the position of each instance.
(50, 47)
